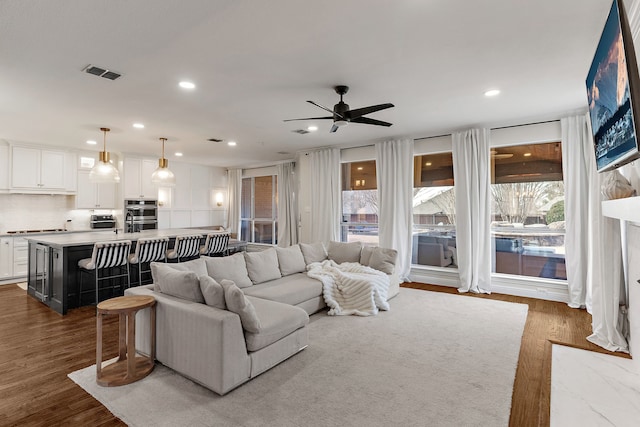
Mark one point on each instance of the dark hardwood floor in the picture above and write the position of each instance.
(38, 348)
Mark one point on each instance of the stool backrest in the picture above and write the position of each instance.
(187, 246)
(216, 243)
(110, 254)
(149, 250)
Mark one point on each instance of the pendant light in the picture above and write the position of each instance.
(162, 176)
(104, 171)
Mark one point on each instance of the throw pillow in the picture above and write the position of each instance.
(196, 265)
(344, 252)
(262, 266)
(180, 284)
(229, 267)
(237, 303)
(291, 260)
(213, 292)
(383, 259)
(313, 252)
(365, 255)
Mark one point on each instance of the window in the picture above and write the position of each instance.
(434, 208)
(528, 210)
(259, 209)
(359, 203)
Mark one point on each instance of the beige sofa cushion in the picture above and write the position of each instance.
(180, 284)
(313, 252)
(291, 260)
(277, 321)
(292, 290)
(213, 292)
(383, 259)
(231, 268)
(196, 265)
(262, 266)
(365, 255)
(344, 252)
(239, 304)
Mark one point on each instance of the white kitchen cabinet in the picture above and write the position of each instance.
(36, 169)
(6, 257)
(20, 257)
(4, 167)
(137, 178)
(182, 191)
(91, 195)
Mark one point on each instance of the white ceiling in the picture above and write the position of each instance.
(256, 62)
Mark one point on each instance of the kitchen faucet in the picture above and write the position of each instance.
(129, 220)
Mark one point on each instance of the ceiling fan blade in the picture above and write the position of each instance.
(309, 118)
(334, 128)
(368, 121)
(359, 112)
(325, 108)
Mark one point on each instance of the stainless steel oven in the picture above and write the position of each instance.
(140, 215)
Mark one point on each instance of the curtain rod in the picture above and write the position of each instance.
(498, 128)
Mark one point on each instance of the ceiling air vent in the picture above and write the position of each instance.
(300, 131)
(214, 140)
(101, 72)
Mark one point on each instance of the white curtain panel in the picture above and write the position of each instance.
(326, 206)
(394, 170)
(592, 242)
(473, 209)
(580, 191)
(287, 205)
(234, 190)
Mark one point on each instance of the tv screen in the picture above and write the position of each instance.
(612, 83)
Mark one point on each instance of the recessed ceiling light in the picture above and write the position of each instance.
(178, 154)
(428, 164)
(138, 125)
(90, 142)
(312, 128)
(492, 92)
(231, 143)
(187, 85)
(527, 154)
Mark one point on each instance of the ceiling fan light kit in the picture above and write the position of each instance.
(343, 115)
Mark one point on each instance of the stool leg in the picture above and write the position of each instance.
(95, 272)
(99, 345)
(139, 273)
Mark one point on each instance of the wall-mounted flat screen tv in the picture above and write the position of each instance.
(612, 89)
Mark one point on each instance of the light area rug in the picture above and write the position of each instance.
(435, 359)
(591, 389)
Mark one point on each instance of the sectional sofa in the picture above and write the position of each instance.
(221, 321)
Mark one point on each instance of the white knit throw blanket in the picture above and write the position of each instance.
(351, 288)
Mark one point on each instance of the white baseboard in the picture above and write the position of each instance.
(522, 286)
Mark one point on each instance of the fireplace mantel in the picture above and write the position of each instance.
(625, 209)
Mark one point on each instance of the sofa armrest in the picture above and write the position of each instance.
(201, 342)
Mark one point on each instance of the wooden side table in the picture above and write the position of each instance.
(129, 367)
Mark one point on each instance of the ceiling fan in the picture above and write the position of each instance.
(342, 115)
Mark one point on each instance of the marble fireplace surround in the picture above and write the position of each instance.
(628, 212)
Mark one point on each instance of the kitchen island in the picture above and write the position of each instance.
(53, 276)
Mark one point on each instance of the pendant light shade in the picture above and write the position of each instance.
(104, 171)
(162, 176)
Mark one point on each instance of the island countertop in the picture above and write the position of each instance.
(89, 238)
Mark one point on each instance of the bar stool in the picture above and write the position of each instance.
(216, 244)
(148, 251)
(185, 247)
(106, 257)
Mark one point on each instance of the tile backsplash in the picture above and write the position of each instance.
(39, 211)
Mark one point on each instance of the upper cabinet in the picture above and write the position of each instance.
(36, 170)
(4, 167)
(94, 196)
(137, 178)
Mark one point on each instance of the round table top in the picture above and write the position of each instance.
(126, 304)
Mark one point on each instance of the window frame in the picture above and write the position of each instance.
(252, 220)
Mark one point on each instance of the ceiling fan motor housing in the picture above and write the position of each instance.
(341, 109)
